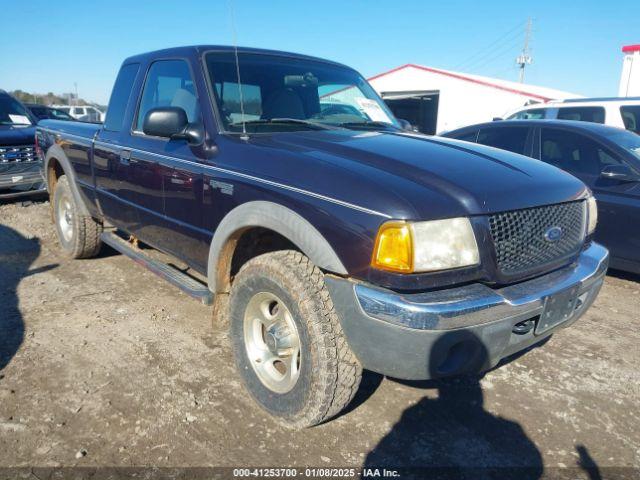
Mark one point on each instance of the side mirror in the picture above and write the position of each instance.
(621, 173)
(497, 119)
(172, 122)
(164, 122)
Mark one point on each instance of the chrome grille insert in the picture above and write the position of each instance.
(17, 153)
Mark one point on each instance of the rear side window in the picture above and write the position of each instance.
(534, 114)
(120, 97)
(582, 114)
(168, 84)
(469, 136)
(513, 139)
(631, 117)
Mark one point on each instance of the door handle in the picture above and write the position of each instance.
(125, 157)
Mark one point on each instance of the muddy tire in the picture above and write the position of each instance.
(288, 343)
(78, 234)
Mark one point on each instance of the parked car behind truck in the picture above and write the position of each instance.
(605, 158)
(621, 112)
(20, 167)
(331, 240)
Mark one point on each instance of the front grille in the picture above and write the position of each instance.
(521, 236)
(17, 153)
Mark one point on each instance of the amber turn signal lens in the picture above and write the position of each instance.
(393, 248)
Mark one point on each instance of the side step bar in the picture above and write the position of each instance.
(184, 282)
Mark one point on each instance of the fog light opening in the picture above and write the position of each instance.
(462, 357)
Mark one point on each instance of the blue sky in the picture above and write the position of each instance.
(575, 45)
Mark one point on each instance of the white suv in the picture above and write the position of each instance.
(84, 113)
(618, 112)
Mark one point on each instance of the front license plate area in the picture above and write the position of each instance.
(558, 308)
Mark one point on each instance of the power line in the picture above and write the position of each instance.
(486, 50)
(487, 60)
(507, 45)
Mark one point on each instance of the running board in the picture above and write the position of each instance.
(174, 276)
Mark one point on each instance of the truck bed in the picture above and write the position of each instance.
(64, 127)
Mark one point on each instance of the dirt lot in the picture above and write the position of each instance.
(102, 363)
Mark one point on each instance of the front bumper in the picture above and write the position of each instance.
(459, 330)
(21, 180)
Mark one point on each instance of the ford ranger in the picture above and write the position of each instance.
(329, 238)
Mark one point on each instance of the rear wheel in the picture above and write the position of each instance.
(78, 234)
(288, 342)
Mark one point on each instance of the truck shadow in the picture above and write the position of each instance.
(17, 253)
(453, 436)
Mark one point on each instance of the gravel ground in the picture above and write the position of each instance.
(104, 364)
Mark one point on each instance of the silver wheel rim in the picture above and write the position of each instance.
(65, 218)
(272, 342)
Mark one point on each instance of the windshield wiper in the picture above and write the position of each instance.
(267, 121)
(369, 123)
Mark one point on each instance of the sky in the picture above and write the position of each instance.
(576, 46)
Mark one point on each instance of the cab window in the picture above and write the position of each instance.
(168, 84)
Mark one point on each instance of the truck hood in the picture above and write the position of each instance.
(414, 176)
(17, 135)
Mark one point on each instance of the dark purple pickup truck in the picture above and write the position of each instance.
(328, 237)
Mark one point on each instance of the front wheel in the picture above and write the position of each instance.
(78, 234)
(288, 342)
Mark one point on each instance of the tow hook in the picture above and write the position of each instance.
(524, 327)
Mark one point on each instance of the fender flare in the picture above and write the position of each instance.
(57, 153)
(274, 217)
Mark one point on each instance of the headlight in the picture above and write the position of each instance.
(592, 215)
(411, 247)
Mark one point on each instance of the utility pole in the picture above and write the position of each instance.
(75, 84)
(525, 59)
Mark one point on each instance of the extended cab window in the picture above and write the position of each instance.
(120, 97)
(513, 139)
(582, 114)
(631, 117)
(168, 84)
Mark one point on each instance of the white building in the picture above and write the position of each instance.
(436, 100)
(630, 78)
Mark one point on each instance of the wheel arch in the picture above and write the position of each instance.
(274, 217)
(57, 163)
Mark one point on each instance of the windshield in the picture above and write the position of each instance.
(627, 140)
(284, 94)
(12, 112)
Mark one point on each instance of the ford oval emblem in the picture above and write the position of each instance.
(553, 234)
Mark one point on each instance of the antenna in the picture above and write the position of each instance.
(525, 59)
(244, 135)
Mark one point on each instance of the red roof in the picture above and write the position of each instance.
(460, 76)
(631, 48)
